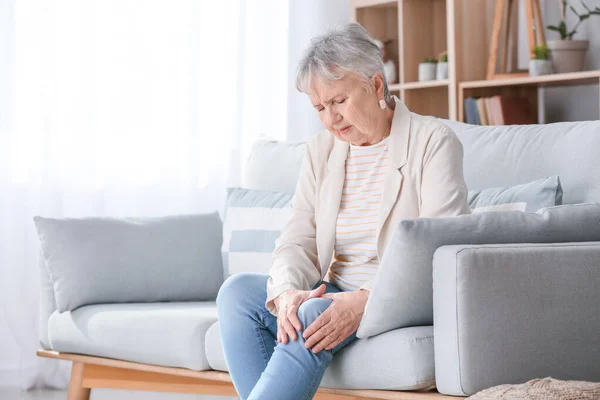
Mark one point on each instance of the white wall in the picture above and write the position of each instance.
(307, 19)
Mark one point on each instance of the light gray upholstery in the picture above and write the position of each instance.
(396, 360)
(47, 301)
(513, 312)
(274, 165)
(528, 197)
(167, 334)
(214, 349)
(401, 293)
(144, 259)
(505, 156)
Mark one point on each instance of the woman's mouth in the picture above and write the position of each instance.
(345, 130)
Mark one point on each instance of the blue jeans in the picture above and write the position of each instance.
(260, 367)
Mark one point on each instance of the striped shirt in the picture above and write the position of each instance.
(355, 261)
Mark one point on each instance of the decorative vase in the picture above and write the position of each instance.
(540, 67)
(441, 71)
(389, 68)
(568, 55)
(426, 72)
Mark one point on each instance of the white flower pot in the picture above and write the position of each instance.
(568, 55)
(427, 72)
(442, 71)
(389, 68)
(540, 67)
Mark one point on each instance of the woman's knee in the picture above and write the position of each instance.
(311, 309)
(239, 286)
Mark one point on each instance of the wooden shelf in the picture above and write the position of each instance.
(418, 29)
(424, 85)
(373, 3)
(396, 87)
(573, 78)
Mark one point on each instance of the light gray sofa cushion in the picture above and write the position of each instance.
(274, 165)
(529, 197)
(505, 156)
(166, 334)
(514, 312)
(401, 294)
(398, 360)
(110, 260)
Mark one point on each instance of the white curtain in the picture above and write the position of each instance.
(123, 108)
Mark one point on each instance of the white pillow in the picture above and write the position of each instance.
(274, 166)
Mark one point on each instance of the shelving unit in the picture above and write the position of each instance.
(424, 28)
(400, 20)
(525, 87)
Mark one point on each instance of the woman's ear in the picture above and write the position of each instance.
(379, 85)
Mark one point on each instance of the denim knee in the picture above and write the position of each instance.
(237, 287)
(311, 309)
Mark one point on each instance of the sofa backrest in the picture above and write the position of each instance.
(494, 156)
(273, 165)
(504, 156)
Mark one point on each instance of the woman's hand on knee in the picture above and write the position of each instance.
(337, 322)
(287, 305)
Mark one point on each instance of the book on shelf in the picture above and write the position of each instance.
(499, 110)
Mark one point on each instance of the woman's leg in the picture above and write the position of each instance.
(248, 330)
(260, 367)
(295, 372)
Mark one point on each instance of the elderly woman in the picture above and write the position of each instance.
(376, 164)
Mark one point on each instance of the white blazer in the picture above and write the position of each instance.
(424, 179)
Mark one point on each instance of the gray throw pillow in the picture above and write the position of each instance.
(110, 260)
(528, 197)
(402, 293)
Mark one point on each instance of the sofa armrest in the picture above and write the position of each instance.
(513, 312)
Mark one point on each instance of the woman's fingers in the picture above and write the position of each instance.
(289, 329)
(317, 324)
(280, 331)
(292, 316)
(326, 342)
(326, 329)
(337, 341)
(318, 292)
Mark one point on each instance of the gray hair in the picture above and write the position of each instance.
(346, 48)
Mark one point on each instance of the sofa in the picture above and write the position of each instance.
(492, 324)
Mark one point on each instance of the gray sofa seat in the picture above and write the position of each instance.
(166, 334)
(401, 359)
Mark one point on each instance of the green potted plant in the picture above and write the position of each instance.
(442, 66)
(568, 55)
(540, 64)
(427, 69)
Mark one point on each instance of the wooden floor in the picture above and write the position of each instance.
(95, 372)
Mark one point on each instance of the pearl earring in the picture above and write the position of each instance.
(382, 104)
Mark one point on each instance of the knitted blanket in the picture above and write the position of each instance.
(542, 389)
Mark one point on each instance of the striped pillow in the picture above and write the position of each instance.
(253, 221)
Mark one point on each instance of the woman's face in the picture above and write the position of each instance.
(349, 110)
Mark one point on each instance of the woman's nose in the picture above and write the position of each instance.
(333, 117)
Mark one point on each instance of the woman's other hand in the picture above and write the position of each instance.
(287, 304)
(337, 322)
